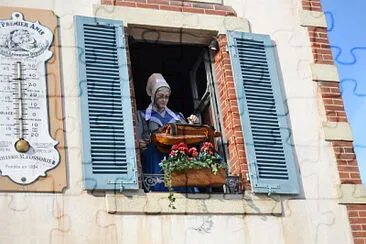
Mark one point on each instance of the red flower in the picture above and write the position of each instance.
(183, 148)
(194, 154)
(208, 148)
(208, 145)
(172, 153)
(175, 147)
(192, 150)
(182, 144)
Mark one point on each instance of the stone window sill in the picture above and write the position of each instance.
(157, 203)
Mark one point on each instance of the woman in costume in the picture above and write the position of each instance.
(156, 115)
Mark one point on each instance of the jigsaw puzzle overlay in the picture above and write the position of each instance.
(159, 34)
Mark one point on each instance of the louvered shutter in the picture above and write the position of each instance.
(109, 159)
(267, 136)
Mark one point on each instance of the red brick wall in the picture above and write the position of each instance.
(349, 172)
(312, 5)
(179, 6)
(347, 166)
(320, 45)
(333, 102)
(329, 91)
(357, 218)
(230, 111)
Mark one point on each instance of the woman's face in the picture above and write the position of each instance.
(162, 98)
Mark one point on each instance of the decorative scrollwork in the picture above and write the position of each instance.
(233, 185)
(150, 180)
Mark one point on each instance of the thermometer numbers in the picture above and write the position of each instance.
(25, 95)
(7, 87)
(31, 95)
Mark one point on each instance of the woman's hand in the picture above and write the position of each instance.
(193, 119)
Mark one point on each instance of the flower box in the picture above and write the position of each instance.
(203, 177)
(188, 167)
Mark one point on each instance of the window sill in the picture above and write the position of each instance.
(157, 203)
(352, 194)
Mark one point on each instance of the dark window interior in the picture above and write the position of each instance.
(174, 62)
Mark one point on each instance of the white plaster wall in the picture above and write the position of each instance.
(77, 217)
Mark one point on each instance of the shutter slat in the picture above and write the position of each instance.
(92, 52)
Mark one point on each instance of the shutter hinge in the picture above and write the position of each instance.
(118, 184)
(270, 189)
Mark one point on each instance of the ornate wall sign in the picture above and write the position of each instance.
(27, 151)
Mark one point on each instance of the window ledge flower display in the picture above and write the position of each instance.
(189, 167)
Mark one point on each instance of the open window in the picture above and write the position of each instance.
(188, 70)
(109, 155)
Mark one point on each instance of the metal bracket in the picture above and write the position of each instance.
(268, 189)
(117, 183)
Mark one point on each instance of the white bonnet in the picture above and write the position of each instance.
(154, 82)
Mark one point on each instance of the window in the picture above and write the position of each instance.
(187, 69)
(109, 156)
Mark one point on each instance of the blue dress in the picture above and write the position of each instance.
(151, 157)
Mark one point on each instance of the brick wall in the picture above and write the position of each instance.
(230, 112)
(349, 172)
(179, 6)
(312, 5)
(329, 91)
(333, 102)
(347, 166)
(320, 45)
(357, 218)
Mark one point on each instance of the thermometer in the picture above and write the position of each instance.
(21, 145)
(27, 151)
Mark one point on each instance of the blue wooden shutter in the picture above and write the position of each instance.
(109, 159)
(270, 155)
